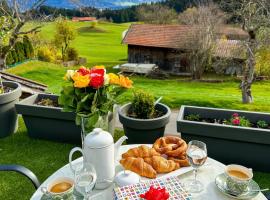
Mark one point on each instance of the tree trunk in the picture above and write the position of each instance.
(248, 73)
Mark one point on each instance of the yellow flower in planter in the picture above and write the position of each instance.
(81, 81)
(114, 79)
(125, 82)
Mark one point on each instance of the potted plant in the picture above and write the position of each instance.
(143, 120)
(10, 93)
(232, 136)
(44, 119)
(53, 117)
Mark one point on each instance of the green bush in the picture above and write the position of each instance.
(72, 54)
(143, 105)
(28, 48)
(19, 48)
(10, 60)
(46, 54)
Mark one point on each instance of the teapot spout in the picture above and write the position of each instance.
(118, 144)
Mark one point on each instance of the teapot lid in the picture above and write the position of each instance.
(98, 139)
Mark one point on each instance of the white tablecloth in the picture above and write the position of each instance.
(206, 174)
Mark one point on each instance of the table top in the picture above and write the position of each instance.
(206, 174)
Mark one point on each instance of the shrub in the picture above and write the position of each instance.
(46, 54)
(93, 24)
(19, 48)
(262, 124)
(10, 60)
(143, 105)
(72, 54)
(28, 48)
(193, 117)
(262, 67)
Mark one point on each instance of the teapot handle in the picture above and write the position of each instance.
(70, 157)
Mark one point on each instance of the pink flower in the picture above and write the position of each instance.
(235, 115)
(236, 121)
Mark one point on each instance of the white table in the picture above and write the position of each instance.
(206, 174)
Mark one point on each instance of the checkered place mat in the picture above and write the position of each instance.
(172, 184)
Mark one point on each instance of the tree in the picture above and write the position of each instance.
(156, 14)
(254, 17)
(14, 15)
(204, 20)
(65, 33)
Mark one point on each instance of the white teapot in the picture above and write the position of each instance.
(100, 150)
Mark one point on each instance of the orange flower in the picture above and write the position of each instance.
(80, 81)
(114, 79)
(99, 67)
(125, 82)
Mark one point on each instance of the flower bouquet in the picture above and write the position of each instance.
(91, 94)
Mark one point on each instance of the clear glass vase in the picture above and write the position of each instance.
(105, 122)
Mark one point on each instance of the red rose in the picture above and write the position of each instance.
(84, 71)
(100, 72)
(97, 81)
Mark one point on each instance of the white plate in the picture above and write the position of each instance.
(177, 172)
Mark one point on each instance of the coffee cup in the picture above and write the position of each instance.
(238, 178)
(60, 188)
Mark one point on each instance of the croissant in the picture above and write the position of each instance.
(162, 165)
(141, 151)
(138, 166)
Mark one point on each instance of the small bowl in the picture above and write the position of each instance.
(61, 195)
(238, 185)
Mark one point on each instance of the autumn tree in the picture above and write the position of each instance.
(14, 15)
(65, 33)
(204, 20)
(156, 14)
(253, 15)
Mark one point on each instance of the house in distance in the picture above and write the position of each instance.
(168, 47)
(84, 19)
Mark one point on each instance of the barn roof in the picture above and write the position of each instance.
(172, 36)
(84, 18)
(230, 49)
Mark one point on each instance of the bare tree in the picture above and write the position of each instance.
(16, 13)
(204, 20)
(254, 16)
(156, 14)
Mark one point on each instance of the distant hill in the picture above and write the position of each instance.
(101, 4)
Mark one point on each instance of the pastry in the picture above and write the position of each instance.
(139, 166)
(162, 165)
(183, 162)
(170, 145)
(142, 151)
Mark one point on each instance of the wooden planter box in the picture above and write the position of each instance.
(225, 143)
(48, 123)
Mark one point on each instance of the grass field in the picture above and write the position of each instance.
(103, 46)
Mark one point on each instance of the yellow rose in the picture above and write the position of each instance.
(80, 81)
(114, 79)
(125, 81)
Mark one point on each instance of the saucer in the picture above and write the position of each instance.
(249, 194)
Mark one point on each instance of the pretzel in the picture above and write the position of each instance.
(170, 145)
(182, 161)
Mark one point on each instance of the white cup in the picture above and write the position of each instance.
(61, 195)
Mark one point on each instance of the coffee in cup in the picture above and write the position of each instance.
(238, 178)
(60, 188)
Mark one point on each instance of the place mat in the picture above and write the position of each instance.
(172, 184)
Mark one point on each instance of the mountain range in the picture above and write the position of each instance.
(101, 4)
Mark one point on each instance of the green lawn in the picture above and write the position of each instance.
(103, 46)
(99, 45)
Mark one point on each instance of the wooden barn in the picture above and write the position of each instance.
(168, 46)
